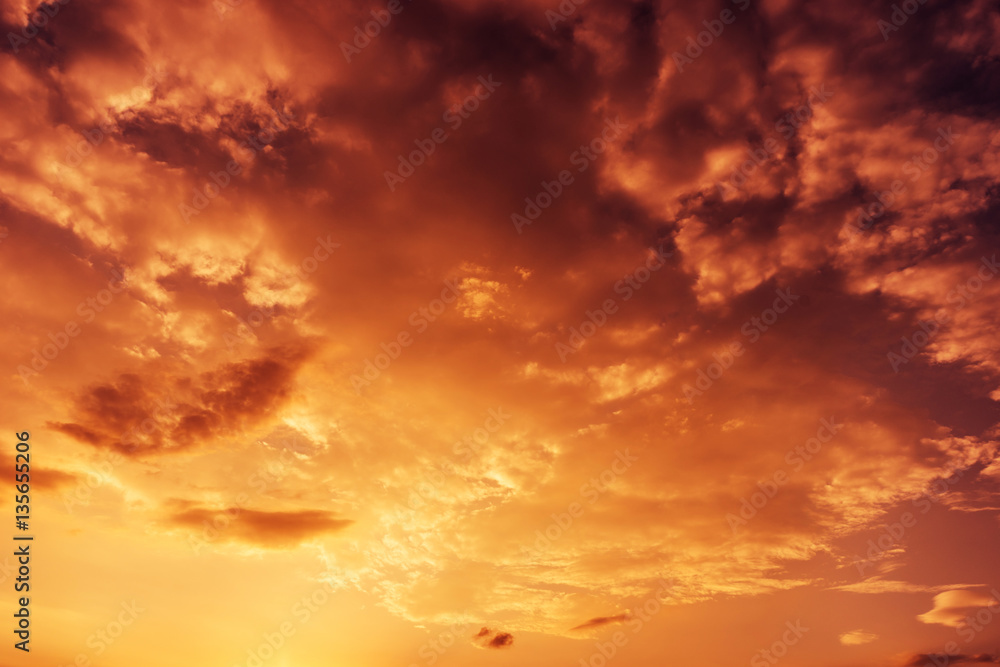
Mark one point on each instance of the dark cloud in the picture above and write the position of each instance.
(43, 478)
(145, 414)
(50, 479)
(71, 31)
(602, 620)
(487, 638)
(932, 659)
(78, 432)
(269, 529)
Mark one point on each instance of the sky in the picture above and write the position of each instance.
(478, 332)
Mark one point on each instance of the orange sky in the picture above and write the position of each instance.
(511, 333)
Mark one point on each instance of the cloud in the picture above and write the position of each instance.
(52, 479)
(162, 411)
(602, 620)
(43, 478)
(878, 586)
(487, 638)
(952, 607)
(267, 529)
(924, 659)
(857, 637)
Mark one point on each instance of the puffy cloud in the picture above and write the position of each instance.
(952, 607)
(487, 638)
(857, 637)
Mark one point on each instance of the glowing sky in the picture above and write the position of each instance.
(508, 333)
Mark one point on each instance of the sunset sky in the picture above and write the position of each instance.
(465, 333)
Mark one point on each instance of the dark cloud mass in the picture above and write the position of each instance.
(269, 529)
(136, 416)
(601, 621)
(924, 659)
(487, 638)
